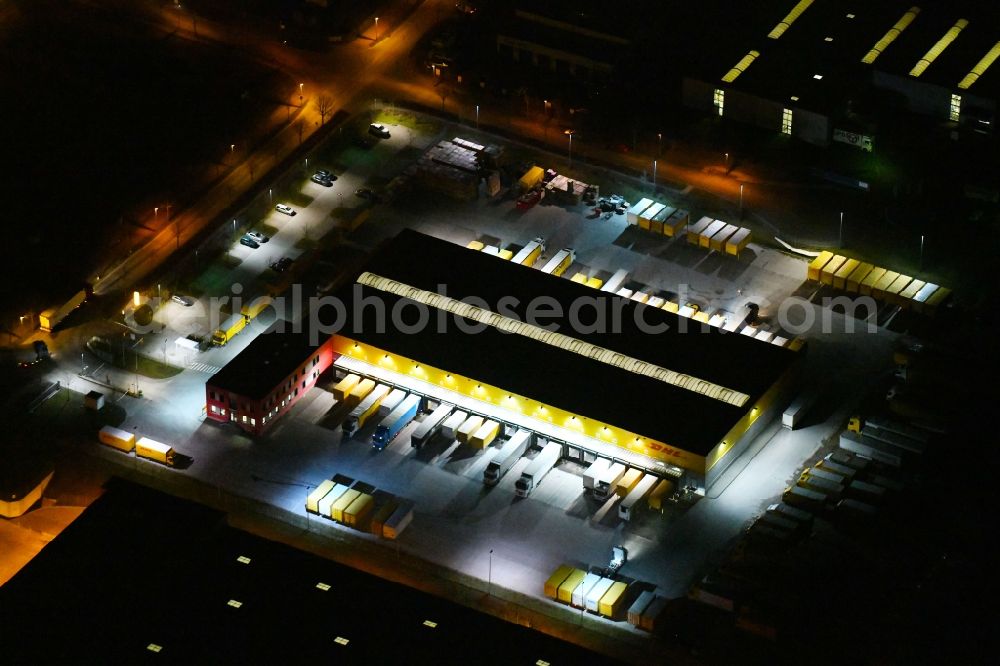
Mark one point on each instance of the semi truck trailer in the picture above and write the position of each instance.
(505, 458)
(430, 425)
(529, 253)
(344, 386)
(356, 420)
(314, 497)
(115, 438)
(359, 392)
(871, 448)
(635, 496)
(326, 504)
(592, 473)
(792, 417)
(467, 429)
(449, 429)
(344, 501)
(229, 329)
(153, 450)
(583, 589)
(390, 402)
(608, 481)
(357, 513)
(558, 264)
(638, 606)
(398, 521)
(51, 317)
(551, 588)
(538, 468)
(484, 435)
(597, 593)
(394, 422)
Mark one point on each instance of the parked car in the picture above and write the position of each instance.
(325, 174)
(259, 237)
(325, 182)
(378, 130)
(186, 301)
(281, 265)
(249, 242)
(365, 193)
(285, 208)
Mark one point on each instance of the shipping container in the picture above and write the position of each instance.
(580, 278)
(866, 286)
(717, 242)
(855, 279)
(694, 230)
(844, 272)
(317, 494)
(593, 599)
(650, 616)
(558, 264)
(870, 448)
(847, 458)
(467, 429)
(344, 501)
(397, 419)
(628, 482)
(529, 254)
(920, 298)
(616, 281)
(821, 473)
(584, 588)
(764, 336)
(594, 283)
(566, 588)
(843, 470)
(866, 492)
(811, 481)
(787, 511)
(640, 296)
(907, 294)
(398, 521)
(364, 410)
(611, 603)
(705, 237)
(646, 217)
(538, 468)
(632, 216)
(476, 245)
(344, 386)
(893, 291)
(505, 458)
(153, 450)
(381, 514)
(594, 471)
(485, 435)
(430, 425)
(359, 392)
(671, 306)
(531, 178)
(660, 493)
(625, 293)
(556, 579)
(803, 497)
(655, 302)
(656, 221)
(449, 429)
(638, 606)
(817, 264)
(700, 315)
(635, 496)
(118, 439)
(831, 268)
(878, 289)
(935, 300)
(391, 401)
(326, 504)
(359, 511)
(738, 242)
(674, 225)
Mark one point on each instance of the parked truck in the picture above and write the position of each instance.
(635, 496)
(792, 417)
(608, 481)
(660, 492)
(616, 282)
(505, 458)
(538, 468)
(628, 481)
(558, 264)
(117, 439)
(356, 420)
(395, 421)
(592, 473)
(153, 450)
(229, 329)
(430, 425)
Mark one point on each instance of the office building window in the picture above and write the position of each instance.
(956, 108)
(786, 121)
(719, 99)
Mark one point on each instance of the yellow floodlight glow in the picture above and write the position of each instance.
(787, 22)
(937, 49)
(741, 66)
(890, 36)
(135, 298)
(980, 67)
(555, 339)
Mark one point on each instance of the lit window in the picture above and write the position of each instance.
(956, 108)
(828, 39)
(719, 99)
(215, 410)
(786, 121)
(794, 98)
(244, 418)
(223, 411)
(850, 16)
(253, 422)
(818, 77)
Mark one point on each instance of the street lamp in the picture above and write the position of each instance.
(570, 133)
(477, 116)
(232, 147)
(741, 201)
(654, 175)
(376, 28)
(840, 242)
(921, 252)
(156, 211)
(659, 143)
(489, 585)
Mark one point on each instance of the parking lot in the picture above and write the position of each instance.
(458, 520)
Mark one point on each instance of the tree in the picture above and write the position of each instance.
(325, 107)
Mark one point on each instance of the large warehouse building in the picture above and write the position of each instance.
(685, 401)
